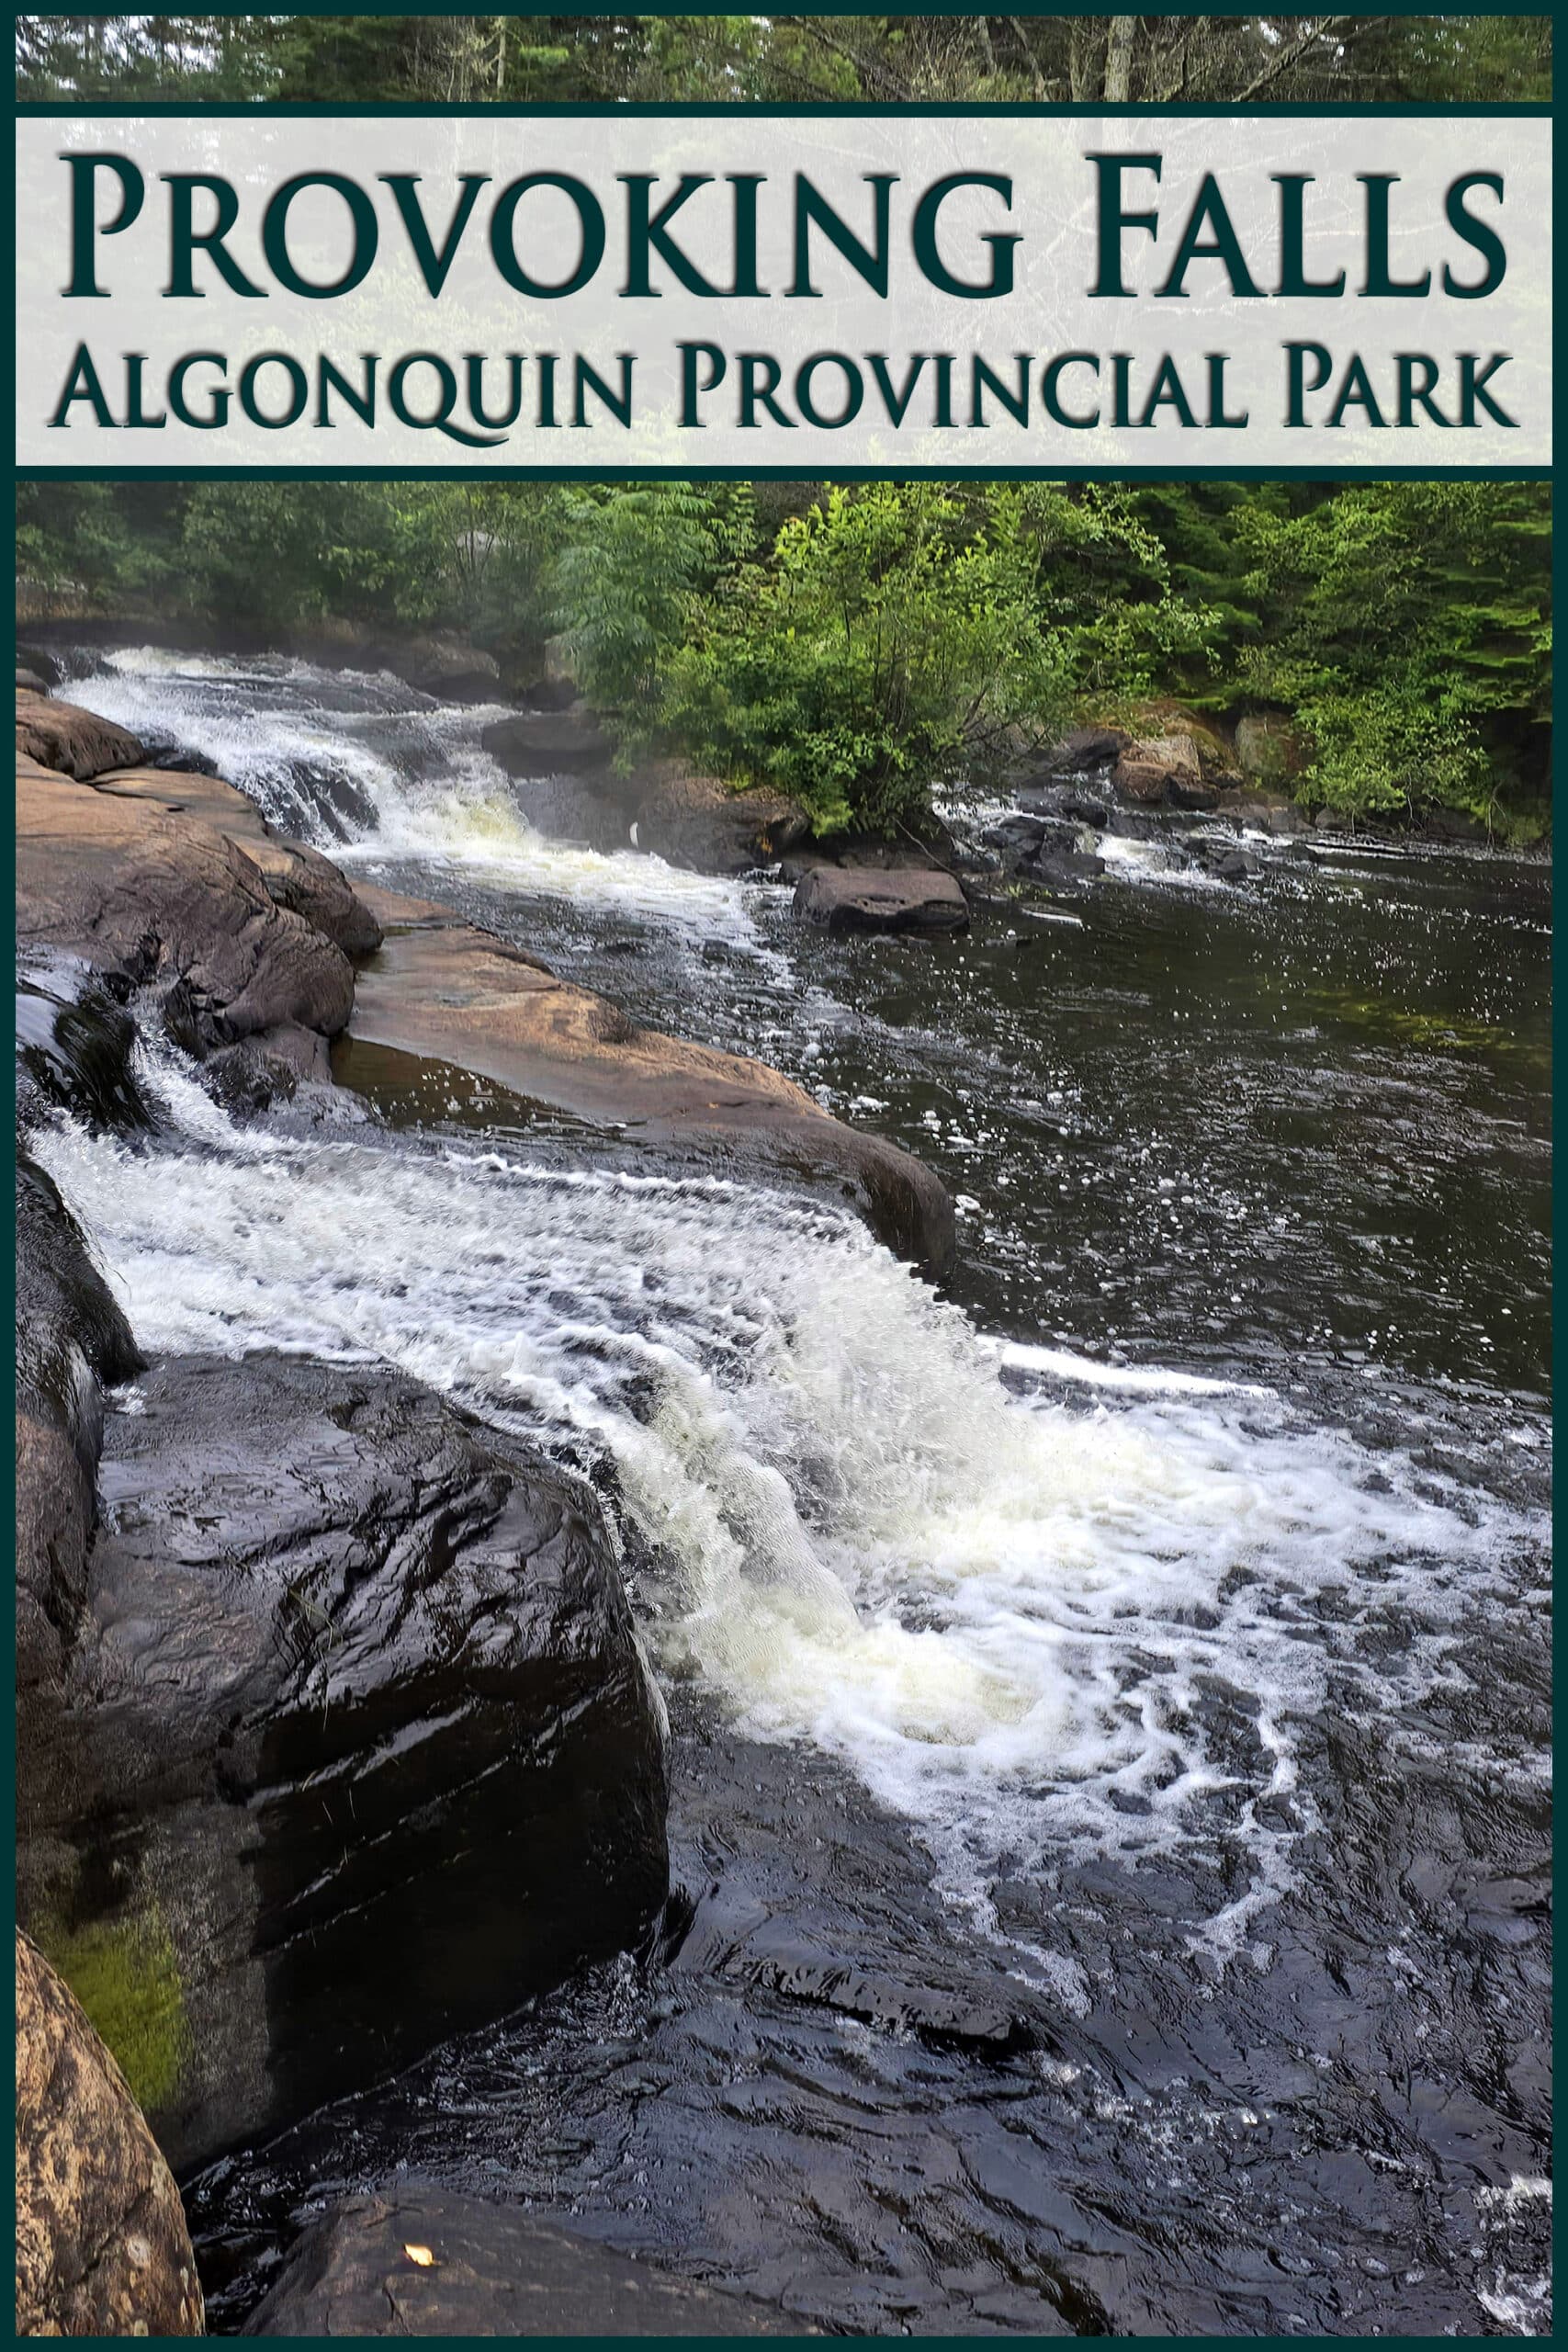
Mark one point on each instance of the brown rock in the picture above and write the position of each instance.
(455, 994)
(1147, 770)
(149, 895)
(77, 743)
(871, 899)
(297, 876)
(101, 2247)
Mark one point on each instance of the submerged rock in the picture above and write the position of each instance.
(101, 2247)
(881, 899)
(426, 2261)
(74, 1047)
(353, 1743)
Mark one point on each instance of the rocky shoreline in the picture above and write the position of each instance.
(336, 1731)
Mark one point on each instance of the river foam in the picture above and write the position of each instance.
(1036, 1625)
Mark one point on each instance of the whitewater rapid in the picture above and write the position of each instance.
(1041, 1606)
(1000, 1603)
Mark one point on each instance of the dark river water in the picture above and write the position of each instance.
(1111, 1701)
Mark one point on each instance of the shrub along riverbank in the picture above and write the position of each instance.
(855, 646)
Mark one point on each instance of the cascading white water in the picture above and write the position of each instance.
(1002, 1610)
(364, 767)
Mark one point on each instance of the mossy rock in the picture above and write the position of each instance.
(1270, 748)
(127, 1977)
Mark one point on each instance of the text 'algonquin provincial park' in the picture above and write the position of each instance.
(783, 1311)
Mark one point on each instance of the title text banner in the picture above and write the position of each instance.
(613, 290)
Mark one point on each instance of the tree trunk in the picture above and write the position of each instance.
(1119, 60)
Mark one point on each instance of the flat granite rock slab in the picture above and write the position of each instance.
(416, 2261)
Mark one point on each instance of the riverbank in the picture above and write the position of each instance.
(1064, 1693)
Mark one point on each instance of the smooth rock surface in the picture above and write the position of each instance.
(873, 899)
(426, 2261)
(544, 743)
(354, 1744)
(101, 2247)
(460, 995)
(297, 876)
(77, 743)
(154, 895)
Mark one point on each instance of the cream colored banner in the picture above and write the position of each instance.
(883, 290)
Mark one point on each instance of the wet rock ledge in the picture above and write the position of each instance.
(335, 1730)
(429, 2262)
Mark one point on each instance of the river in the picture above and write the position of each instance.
(1151, 1631)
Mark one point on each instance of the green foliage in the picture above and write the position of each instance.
(629, 581)
(854, 668)
(1409, 631)
(854, 646)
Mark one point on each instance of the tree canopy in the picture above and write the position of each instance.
(982, 58)
(856, 645)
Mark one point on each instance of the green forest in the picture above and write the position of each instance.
(855, 644)
(980, 57)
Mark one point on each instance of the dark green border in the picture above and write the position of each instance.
(854, 8)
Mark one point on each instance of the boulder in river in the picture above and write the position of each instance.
(909, 897)
(77, 743)
(447, 665)
(353, 1743)
(1160, 768)
(428, 2261)
(38, 664)
(549, 742)
(297, 876)
(101, 2247)
(1086, 750)
(698, 822)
